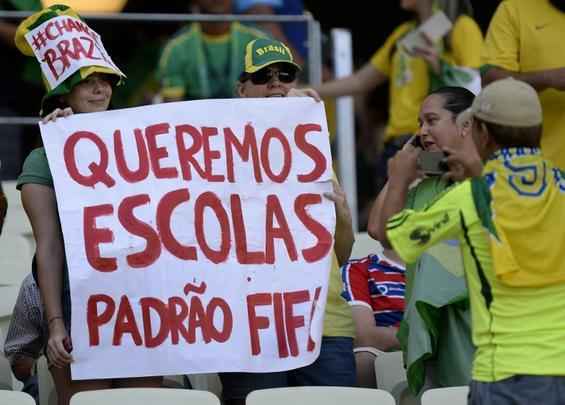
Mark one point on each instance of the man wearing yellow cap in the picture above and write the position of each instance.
(271, 71)
(508, 219)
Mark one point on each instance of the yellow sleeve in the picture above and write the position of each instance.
(413, 232)
(381, 60)
(466, 42)
(502, 43)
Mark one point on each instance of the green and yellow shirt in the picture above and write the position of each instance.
(194, 65)
(517, 330)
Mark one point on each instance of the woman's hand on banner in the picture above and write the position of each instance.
(58, 112)
(59, 345)
(306, 92)
(343, 213)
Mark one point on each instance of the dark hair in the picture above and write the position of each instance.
(456, 99)
(512, 137)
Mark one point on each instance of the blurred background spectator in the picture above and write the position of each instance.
(292, 34)
(204, 59)
(26, 336)
(21, 89)
(521, 42)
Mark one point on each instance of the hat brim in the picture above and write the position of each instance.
(67, 86)
(253, 69)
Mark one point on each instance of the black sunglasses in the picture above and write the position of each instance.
(264, 76)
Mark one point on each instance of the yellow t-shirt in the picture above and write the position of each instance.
(527, 36)
(409, 81)
(338, 320)
(516, 330)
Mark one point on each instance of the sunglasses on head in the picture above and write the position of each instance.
(265, 75)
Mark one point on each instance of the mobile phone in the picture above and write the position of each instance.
(432, 163)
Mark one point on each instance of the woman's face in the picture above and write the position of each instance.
(91, 95)
(277, 83)
(437, 125)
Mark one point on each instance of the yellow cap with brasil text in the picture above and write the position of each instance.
(263, 52)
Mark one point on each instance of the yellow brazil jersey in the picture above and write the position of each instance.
(409, 81)
(517, 330)
(527, 36)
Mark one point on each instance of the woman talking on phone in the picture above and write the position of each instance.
(435, 333)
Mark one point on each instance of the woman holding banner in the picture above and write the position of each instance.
(270, 71)
(84, 85)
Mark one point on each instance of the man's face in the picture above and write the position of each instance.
(275, 80)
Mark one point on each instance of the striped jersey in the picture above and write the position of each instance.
(377, 283)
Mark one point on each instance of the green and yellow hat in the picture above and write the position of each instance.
(65, 87)
(263, 52)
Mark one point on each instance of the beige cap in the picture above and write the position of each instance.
(508, 102)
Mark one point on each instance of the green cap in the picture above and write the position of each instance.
(263, 52)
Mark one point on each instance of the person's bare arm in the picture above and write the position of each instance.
(540, 80)
(344, 237)
(373, 225)
(377, 207)
(41, 208)
(361, 81)
(403, 171)
(368, 334)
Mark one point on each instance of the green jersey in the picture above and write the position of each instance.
(194, 65)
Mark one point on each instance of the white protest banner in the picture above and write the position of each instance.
(63, 45)
(197, 235)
